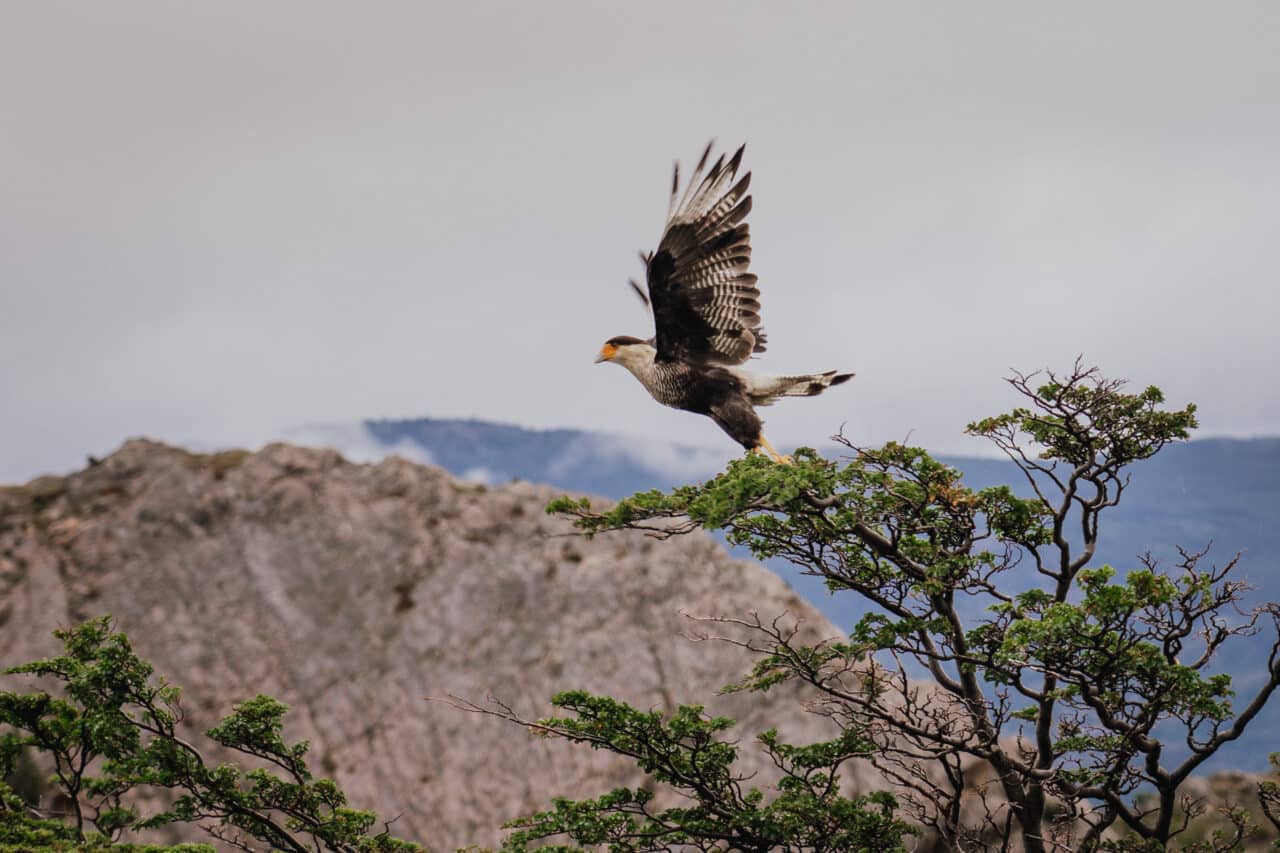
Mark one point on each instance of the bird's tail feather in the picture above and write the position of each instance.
(763, 390)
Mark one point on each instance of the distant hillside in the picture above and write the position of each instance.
(1220, 491)
(491, 453)
(352, 592)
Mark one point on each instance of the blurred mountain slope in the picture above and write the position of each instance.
(352, 592)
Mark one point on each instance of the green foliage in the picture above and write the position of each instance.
(687, 753)
(1269, 796)
(1089, 423)
(993, 595)
(113, 728)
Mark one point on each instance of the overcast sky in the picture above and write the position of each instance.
(224, 220)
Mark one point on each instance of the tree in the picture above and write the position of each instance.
(112, 730)
(1053, 691)
(689, 754)
(1269, 796)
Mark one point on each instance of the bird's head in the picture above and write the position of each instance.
(621, 349)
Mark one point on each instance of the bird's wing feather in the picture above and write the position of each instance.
(639, 291)
(706, 306)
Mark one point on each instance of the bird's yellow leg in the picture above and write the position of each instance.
(765, 446)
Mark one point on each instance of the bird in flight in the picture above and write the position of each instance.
(706, 311)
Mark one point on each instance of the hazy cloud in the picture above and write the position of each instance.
(356, 443)
(478, 474)
(680, 462)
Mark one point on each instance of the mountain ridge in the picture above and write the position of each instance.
(352, 591)
(1218, 492)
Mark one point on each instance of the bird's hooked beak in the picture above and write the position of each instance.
(607, 352)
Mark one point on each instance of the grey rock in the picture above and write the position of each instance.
(354, 592)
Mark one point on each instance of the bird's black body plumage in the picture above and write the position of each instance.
(720, 394)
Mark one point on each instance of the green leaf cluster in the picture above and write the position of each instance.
(687, 752)
(113, 728)
(1092, 422)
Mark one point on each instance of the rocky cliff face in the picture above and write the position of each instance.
(354, 591)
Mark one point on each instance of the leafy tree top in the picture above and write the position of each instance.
(1049, 670)
(114, 727)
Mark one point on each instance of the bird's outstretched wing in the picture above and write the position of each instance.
(706, 306)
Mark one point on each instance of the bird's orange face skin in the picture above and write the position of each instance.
(607, 352)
